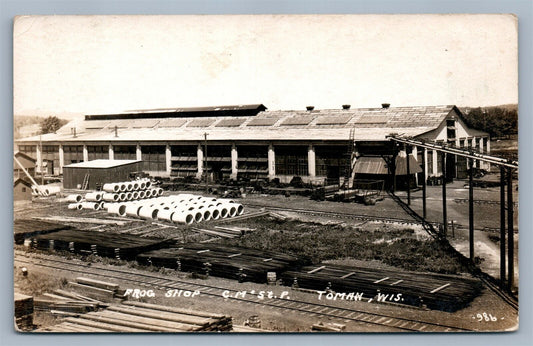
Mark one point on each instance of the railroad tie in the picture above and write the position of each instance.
(316, 270)
(381, 280)
(440, 288)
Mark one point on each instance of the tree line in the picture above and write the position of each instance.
(499, 122)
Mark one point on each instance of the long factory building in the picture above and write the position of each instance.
(249, 141)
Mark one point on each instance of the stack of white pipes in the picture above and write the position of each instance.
(182, 208)
(113, 193)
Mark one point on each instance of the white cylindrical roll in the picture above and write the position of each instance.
(147, 184)
(73, 198)
(135, 195)
(136, 185)
(148, 213)
(206, 214)
(75, 206)
(132, 209)
(90, 205)
(117, 208)
(142, 185)
(93, 196)
(240, 209)
(215, 213)
(142, 194)
(129, 196)
(110, 197)
(183, 217)
(223, 211)
(198, 216)
(111, 187)
(129, 186)
(165, 214)
(103, 205)
(122, 196)
(123, 187)
(52, 190)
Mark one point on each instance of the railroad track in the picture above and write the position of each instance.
(338, 215)
(153, 281)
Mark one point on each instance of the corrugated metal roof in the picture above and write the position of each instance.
(370, 165)
(101, 163)
(407, 121)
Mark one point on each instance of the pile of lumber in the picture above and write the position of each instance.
(243, 264)
(28, 228)
(122, 246)
(85, 295)
(136, 317)
(23, 312)
(434, 291)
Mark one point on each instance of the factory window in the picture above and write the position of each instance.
(154, 158)
(332, 161)
(478, 142)
(28, 149)
(50, 149)
(450, 129)
(96, 152)
(124, 152)
(291, 161)
(429, 163)
(73, 153)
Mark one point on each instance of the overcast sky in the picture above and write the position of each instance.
(101, 64)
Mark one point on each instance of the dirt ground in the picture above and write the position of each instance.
(486, 247)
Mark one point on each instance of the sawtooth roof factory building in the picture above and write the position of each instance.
(250, 141)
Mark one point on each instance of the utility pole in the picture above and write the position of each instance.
(205, 162)
(41, 158)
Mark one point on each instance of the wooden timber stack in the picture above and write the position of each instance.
(122, 246)
(434, 291)
(231, 262)
(136, 317)
(23, 312)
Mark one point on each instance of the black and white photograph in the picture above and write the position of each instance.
(265, 173)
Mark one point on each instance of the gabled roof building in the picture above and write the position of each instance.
(251, 141)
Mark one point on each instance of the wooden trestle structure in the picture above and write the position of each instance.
(506, 178)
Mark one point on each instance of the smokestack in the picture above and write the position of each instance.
(116, 131)
(346, 106)
(385, 105)
(310, 108)
(74, 132)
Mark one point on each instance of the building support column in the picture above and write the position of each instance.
(471, 208)
(200, 156)
(271, 162)
(444, 211)
(111, 152)
(138, 152)
(61, 158)
(510, 229)
(425, 161)
(414, 151)
(234, 162)
(502, 228)
(481, 163)
(311, 162)
(85, 153)
(424, 189)
(435, 163)
(168, 159)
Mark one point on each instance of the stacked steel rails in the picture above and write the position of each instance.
(120, 246)
(435, 291)
(231, 262)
